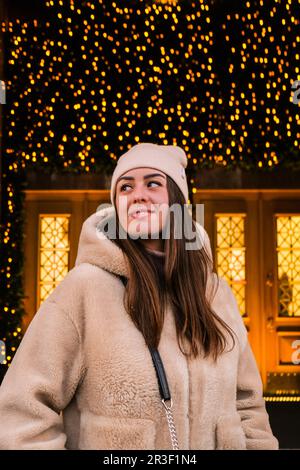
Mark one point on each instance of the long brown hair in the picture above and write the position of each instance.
(186, 275)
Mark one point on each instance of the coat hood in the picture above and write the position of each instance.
(96, 247)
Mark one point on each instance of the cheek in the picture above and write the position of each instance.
(160, 198)
(161, 202)
(164, 196)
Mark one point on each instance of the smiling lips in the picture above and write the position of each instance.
(139, 214)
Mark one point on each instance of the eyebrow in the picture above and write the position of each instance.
(130, 178)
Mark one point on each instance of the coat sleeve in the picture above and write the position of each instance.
(251, 404)
(40, 382)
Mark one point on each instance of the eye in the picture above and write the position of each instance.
(124, 186)
(155, 182)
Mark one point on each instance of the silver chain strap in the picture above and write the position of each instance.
(171, 424)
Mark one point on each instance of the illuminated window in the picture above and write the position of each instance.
(288, 265)
(230, 254)
(54, 251)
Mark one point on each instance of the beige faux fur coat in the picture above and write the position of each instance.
(83, 377)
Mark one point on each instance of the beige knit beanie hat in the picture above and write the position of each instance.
(169, 159)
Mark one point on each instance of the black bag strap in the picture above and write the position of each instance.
(161, 375)
(165, 395)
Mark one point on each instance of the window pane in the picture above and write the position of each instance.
(230, 256)
(53, 252)
(288, 265)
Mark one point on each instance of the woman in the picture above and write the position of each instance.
(83, 376)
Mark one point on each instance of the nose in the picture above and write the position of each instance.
(139, 194)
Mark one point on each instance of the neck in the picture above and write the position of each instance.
(156, 252)
(154, 245)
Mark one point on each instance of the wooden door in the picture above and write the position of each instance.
(280, 222)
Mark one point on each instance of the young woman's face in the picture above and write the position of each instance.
(142, 201)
